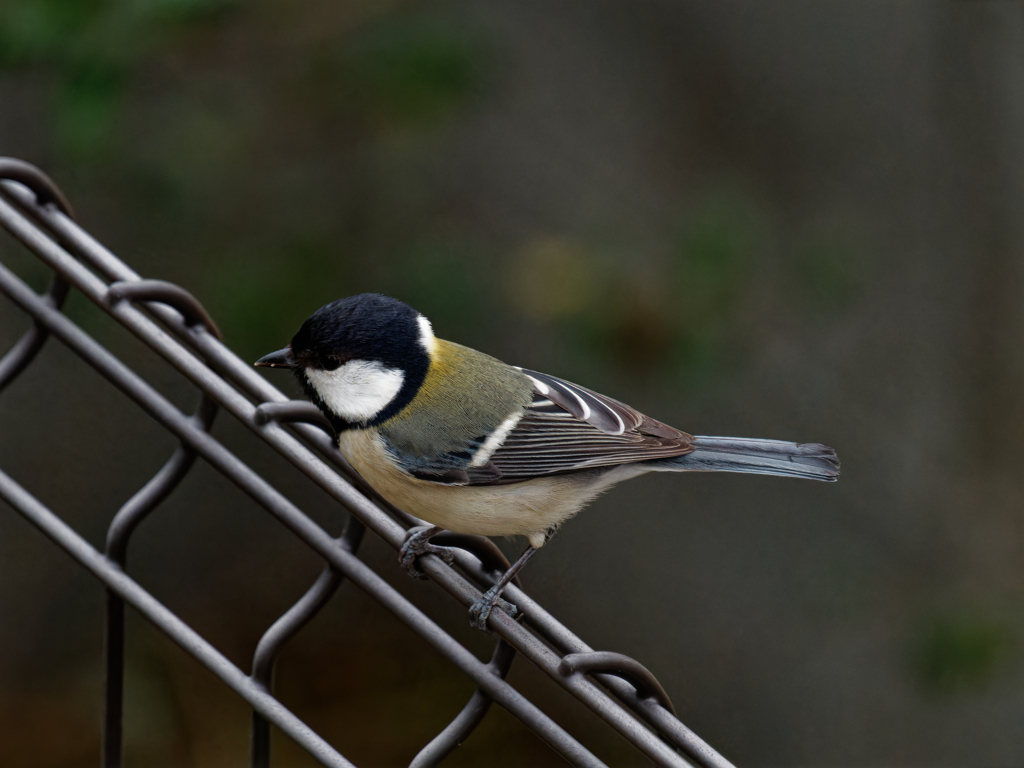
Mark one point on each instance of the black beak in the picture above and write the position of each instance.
(281, 359)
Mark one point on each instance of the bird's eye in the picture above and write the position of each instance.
(331, 363)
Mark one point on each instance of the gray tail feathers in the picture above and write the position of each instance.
(761, 457)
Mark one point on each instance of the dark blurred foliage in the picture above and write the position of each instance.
(785, 220)
(960, 652)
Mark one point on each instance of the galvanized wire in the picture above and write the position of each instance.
(174, 324)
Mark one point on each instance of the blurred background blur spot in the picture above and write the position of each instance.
(789, 219)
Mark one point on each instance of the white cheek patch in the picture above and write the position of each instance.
(358, 390)
(427, 339)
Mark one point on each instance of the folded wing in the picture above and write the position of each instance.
(566, 428)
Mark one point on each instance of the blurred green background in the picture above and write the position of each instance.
(788, 219)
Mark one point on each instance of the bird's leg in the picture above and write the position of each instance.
(480, 611)
(416, 544)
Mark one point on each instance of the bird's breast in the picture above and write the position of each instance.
(519, 509)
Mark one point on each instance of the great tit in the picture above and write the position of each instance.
(472, 445)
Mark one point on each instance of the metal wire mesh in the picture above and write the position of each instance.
(173, 323)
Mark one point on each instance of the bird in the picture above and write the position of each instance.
(473, 445)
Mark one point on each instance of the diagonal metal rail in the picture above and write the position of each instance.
(174, 325)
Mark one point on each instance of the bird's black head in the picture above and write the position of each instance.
(364, 327)
(360, 359)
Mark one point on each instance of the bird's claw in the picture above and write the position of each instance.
(480, 611)
(416, 544)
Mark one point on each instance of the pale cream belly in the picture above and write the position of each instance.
(524, 509)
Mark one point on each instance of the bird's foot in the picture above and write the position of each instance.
(416, 544)
(480, 611)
